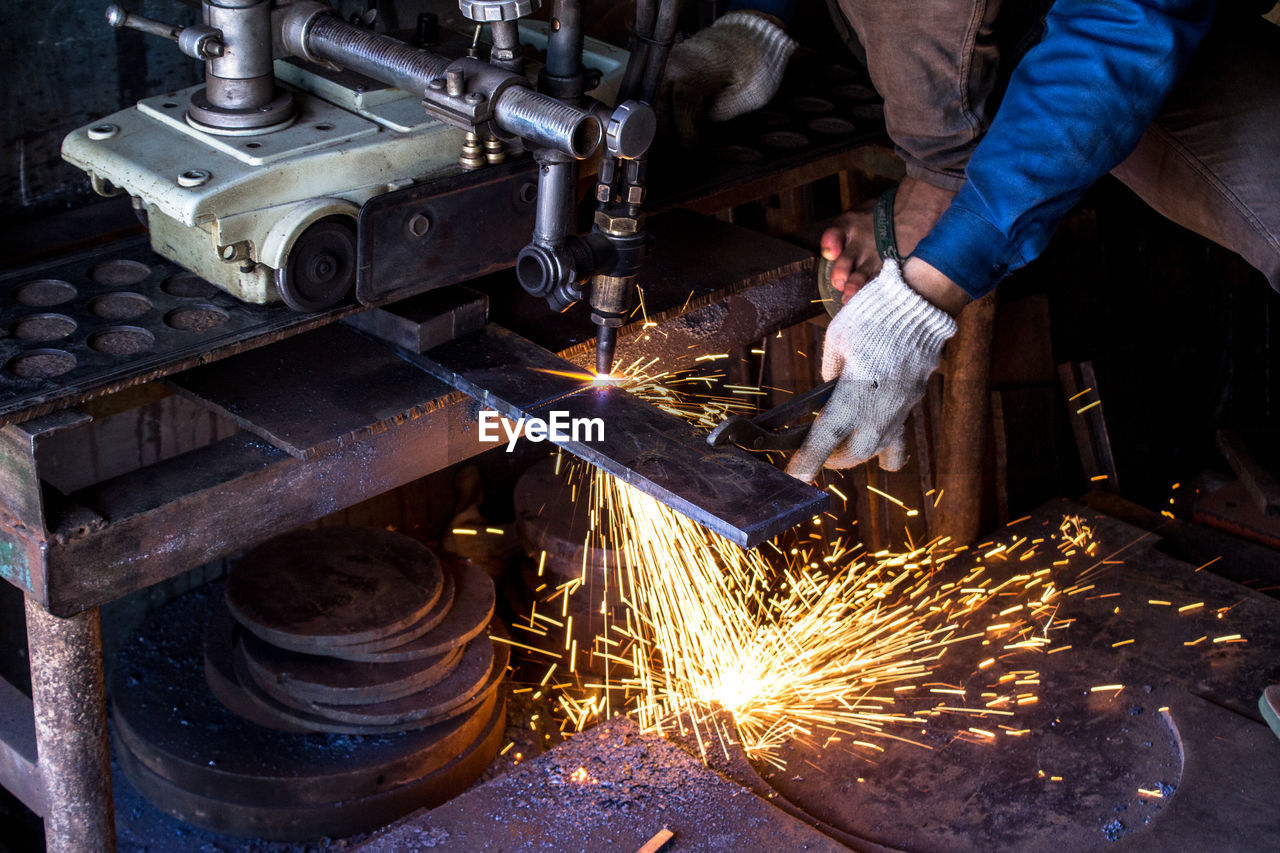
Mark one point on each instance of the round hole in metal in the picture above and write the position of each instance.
(188, 285)
(121, 340)
(784, 139)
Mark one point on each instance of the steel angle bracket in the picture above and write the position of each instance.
(741, 497)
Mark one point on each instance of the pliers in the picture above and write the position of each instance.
(769, 431)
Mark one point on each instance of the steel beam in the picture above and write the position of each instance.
(19, 772)
(70, 705)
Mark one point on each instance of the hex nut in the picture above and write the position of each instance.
(615, 224)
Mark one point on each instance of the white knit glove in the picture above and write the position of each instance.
(883, 345)
(732, 67)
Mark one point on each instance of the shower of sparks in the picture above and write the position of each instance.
(820, 643)
(696, 397)
(817, 641)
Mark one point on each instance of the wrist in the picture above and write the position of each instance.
(934, 285)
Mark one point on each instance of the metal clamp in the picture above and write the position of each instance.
(769, 431)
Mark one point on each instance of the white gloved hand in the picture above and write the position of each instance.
(732, 67)
(883, 345)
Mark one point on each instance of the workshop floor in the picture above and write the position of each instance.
(1176, 758)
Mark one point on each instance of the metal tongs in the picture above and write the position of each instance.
(770, 430)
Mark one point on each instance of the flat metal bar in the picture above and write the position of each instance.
(150, 539)
(741, 497)
(19, 773)
(300, 398)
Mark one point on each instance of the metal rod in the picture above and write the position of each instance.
(539, 119)
(564, 41)
(380, 57)
(555, 201)
(544, 122)
(506, 52)
(634, 72)
(70, 704)
(118, 16)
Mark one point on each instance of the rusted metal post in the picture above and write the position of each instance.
(965, 405)
(70, 705)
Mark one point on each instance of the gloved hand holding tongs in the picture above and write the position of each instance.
(879, 352)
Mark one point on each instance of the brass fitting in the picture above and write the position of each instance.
(617, 224)
(472, 156)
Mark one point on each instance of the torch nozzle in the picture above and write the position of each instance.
(606, 343)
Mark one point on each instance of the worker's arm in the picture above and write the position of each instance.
(1075, 107)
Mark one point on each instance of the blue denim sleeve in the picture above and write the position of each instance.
(1075, 107)
(780, 9)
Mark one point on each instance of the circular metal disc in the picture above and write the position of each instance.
(292, 717)
(311, 590)
(466, 681)
(344, 816)
(313, 678)
(473, 603)
(220, 674)
(436, 615)
(163, 711)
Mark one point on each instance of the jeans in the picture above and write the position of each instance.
(1210, 161)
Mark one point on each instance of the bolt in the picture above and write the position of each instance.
(475, 98)
(435, 84)
(194, 178)
(419, 225)
(455, 82)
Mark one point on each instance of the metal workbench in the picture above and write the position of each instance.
(317, 434)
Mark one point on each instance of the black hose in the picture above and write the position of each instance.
(664, 31)
(632, 77)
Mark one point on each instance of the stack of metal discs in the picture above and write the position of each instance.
(348, 678)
